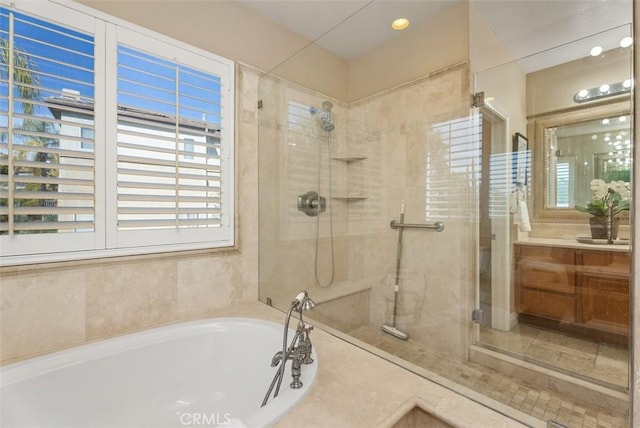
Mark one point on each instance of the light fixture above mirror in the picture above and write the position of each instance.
(604, 91)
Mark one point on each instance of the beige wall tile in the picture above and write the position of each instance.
(41, 312)
(206, 284)
(130, 296)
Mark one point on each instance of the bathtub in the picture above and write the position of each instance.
(212, 372)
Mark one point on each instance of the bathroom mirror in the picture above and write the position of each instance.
(574, 148)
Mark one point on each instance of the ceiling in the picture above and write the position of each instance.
(350, 28)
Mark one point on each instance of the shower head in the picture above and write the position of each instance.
(325, 123)
(324, 116)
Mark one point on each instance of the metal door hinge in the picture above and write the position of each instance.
(259, 104)
(478, 99)
(476, 316)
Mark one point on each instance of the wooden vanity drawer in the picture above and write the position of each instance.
(547, 268)
(549, 305)
(585, 288)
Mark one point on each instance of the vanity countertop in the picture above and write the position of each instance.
(356, 388)
(569, 243)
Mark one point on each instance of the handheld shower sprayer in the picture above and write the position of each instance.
(311, 202)
(324, 116)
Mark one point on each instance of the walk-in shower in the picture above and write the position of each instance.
(410, 133)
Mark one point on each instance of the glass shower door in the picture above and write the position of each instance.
(557, 296)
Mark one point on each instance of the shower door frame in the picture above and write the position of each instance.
(502, 316)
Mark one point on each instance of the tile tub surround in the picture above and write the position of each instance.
(356, 388)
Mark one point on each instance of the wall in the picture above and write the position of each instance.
(391, 134)
(290, 146)
(414, 53)
(496, 73)
(436, 272)
(232, 30)
(49, 307)
(552, 89)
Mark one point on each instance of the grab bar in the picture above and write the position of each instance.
(438, 226)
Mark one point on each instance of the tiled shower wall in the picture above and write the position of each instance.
(390, 136)
(290, 145)
(44, 308)
(401, 127)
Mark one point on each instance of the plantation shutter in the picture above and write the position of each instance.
(114, 140)
(47, 163)
(563, 182)
(171, 147)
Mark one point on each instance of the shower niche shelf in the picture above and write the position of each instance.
(349, 193)
(349, 158)
(351, 197)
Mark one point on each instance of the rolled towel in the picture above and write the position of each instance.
(523, 217)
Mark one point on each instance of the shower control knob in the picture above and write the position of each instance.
(311, 203)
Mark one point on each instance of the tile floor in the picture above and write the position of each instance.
(516, 393)
(602, 362)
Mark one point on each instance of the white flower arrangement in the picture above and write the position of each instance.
(605, 195)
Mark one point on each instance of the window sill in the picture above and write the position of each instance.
(16, 265)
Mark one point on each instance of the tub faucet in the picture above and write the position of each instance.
(299, 351)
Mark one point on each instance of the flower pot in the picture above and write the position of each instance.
(599, 228)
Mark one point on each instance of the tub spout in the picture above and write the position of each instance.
(299, 351)
(276, 359)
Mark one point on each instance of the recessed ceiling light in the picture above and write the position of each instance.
(596, 50)
(583, 93)
(400, 24)
(626, 42)
(604, 88)
(605, 122)
(627, 83)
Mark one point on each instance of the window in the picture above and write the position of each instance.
(564, 191)
(113, 139)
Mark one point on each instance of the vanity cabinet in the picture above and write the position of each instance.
(585, 290)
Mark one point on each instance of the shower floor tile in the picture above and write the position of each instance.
(516, 393)
(600, 361)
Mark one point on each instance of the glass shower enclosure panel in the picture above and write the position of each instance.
(354, 165)
(560, 175)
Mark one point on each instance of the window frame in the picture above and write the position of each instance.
(106, 240)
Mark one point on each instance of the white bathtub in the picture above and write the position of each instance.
(205, 373)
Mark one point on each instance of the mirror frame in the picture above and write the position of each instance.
(536, 127)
